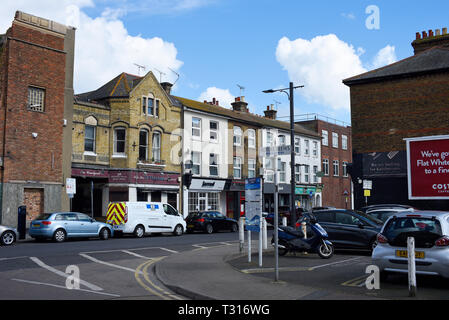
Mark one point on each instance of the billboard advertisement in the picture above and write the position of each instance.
(428, 167)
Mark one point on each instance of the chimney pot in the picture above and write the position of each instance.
(424, 34)
(418, 36)
(430, 33)
(444, 31)
(437, 32)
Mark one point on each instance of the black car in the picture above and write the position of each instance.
(210, 221)
(349, 229)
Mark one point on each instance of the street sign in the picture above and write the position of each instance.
(253, 203)
(70, 186)
(367, 193)
(367, 184)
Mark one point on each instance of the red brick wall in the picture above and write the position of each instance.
(33, 199)
(28, 158)
(383, 113)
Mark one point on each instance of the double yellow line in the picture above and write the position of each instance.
(148, 285)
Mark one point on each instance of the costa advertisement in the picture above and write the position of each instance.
(428, 167)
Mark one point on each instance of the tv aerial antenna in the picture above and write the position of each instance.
(241, 89)
(276, 103)
(177, 74)
(160, 74)
(139, 68)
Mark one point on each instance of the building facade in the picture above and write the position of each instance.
(336, 155)
(403, 100)
(126, 144)
(36, 100)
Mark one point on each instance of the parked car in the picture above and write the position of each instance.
(384, 213)
(62, 225)
(139, 218)
(385, 206)
(210, 221)
(430, 230)
(8, 235)
(348, 229)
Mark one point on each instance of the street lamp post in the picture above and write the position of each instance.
(292, 144)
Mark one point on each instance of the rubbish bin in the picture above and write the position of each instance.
(21, 222)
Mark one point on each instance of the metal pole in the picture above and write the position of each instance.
(92, 198)
(249, 246)
(292, 161)
(260, 241)
(276, 223)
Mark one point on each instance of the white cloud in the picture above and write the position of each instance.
(350, 16)
(103, 46)
(322, 63)
(224, 97)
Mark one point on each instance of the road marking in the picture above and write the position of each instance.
(284, 269)
(169, 250)
(333, 263)
(153, 288)
(5, 259)
(63, 274)
(62, 287)
(136, 255)
(356, 282)
(106, 263)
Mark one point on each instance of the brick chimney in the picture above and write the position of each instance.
(167, 87)
(429, 39)
(214, 102)
(270, 113)
(240, 104)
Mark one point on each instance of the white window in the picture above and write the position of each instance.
(119, 140)
(237, 136)
(326, 167)
(281, 140)
(237, 167)
(89, 138)
(298, 145)
(282, 171)
(345, 168)
(269, 139)
(213, 126)
(336, 168)
(36, 99)
(306, 174)
(196, 163)
(298, 173)
(156, 147)
(251, 168)
(196, 127)
(150, 106)
(213, 164)
(307, 147)
(251, 138)
(143, 144)
(334, 139)
(315, 171)
(344, 142)
(325, 135)
(315, 149)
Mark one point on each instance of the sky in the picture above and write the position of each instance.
(230, 48)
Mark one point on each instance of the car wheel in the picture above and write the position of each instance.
(325, 251)
(178, 230)
(209, 229)
(8, 238)
(59, 235)
(383, 276)
(139, 231)
(104, 234)
(234, 227)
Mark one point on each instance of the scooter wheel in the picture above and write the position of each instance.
(325, 251)
(282, 251)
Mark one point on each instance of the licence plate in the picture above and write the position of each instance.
(404, 254)
(190, 226)
(36, 225)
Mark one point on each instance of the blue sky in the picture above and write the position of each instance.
(216, 45)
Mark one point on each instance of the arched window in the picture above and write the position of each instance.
(156, 147)
(90, 134)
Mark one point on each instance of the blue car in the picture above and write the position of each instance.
(62, 225)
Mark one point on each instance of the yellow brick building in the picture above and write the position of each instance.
(126, 144)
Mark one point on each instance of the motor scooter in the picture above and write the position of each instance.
(314, 241)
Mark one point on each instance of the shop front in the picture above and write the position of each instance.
(235, 198)
(206, 194)
(307, 196)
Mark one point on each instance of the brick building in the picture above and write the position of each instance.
(409, 98)
(336, 154)
(36, 97)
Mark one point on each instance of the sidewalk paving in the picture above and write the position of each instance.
(205, 274)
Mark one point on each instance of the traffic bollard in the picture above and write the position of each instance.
(411, 267)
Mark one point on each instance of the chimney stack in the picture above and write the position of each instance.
(167, 87)
(429, 39)
(240, 105)
(270, 113)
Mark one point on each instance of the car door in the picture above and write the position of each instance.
(87, 226)
(221, 221)
(326, 219)
(71, 224)
(348, 231)
(171, 216)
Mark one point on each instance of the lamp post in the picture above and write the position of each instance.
(292, 144)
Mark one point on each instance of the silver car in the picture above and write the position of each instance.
(8, 236)
(430, 230)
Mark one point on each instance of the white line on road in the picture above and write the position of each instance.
(107, 263)
(65, 275)
(136, 255)
(333, 263)
(169, 250)
(5, 259)
(62, 287)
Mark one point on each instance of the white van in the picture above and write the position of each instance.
(139, 218)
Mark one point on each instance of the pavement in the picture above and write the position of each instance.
(207, 274)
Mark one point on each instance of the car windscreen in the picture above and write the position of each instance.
(370, 218)
(43, 216)
(425, 231)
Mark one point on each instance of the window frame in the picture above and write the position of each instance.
(325, 137)
(252, 163)
(335, 140)
(237, 166)
(237, 136)
(93, 139)
(145, 146)
(216, 166)
(198, 164)
(115, 141)
(251, 138)
(336, 164)
(36, 94)
(156, 149)
(196, 128)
